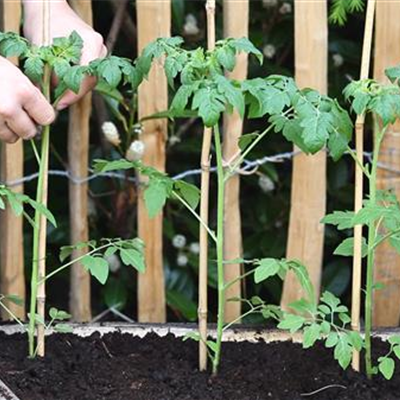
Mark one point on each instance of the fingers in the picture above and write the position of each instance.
(38, 108)
(22, 124)
(6, 134)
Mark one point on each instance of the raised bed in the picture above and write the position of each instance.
(143, 362)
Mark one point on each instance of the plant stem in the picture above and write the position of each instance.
(371, 254)
(39, 234)
(220, 247)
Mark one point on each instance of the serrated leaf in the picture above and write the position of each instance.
(155, 197)
(34, 68)
(133, 258)
(291, 322)
(59, 314)
(342, 219)
(346, 248)
(97, 266)
(343, 351)
(267, 267)
(331, 340)
(311, 334)
(247, 139)
(189, 192)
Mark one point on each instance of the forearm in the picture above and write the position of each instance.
(33, 8)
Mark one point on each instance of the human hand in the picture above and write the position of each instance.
(63, 21)
(22, 105)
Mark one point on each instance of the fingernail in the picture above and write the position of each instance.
(62, 106)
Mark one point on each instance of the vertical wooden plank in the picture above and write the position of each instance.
(11, 227)
(78, 155)
(387, 261)
(153, 21)
(308, 198)
(236, 24)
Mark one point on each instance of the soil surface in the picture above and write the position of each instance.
(121, 367)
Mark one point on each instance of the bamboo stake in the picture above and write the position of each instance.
(41, 291)
(11, 227)
(78, 154)
(204, 205)
(236, 24)
(308, 198)
(386, 310)
(358, 195)
(153, 21)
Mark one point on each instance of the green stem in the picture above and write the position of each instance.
(370, 256)
(220, 248)
(36, 231)
(357, 161)
(197, 216)
(12, 315)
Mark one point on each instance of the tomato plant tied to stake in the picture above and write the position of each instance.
(61, 58)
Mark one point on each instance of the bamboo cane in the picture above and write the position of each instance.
(308, 197)
(78, 155)
(236, 23)
(152, 98)
(204, 204)
(386, 309)
(358, 195)
(41, 292)
(11, 227)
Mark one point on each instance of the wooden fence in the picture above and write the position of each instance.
(308, 198)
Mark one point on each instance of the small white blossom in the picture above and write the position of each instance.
(173, 140)
(270, 3)
(113, 262)
(182, 260)
(111, 133)
(194, 248)
(266, 184)
(190, 28)
(337, 60)
(91, 208)
(138, 129)
(286, 8)
(269, 51)
(135, 151)
(179, 241)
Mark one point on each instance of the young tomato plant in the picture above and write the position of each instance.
(305, 117)
(61, 58)
(380, 214)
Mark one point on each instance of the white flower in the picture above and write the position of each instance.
(270, 3)
(286, 8)
(179, 241)
(135, 151)
(111, 133)
(338, 60)
(182, 260)
(190, 28)
(138, 129)
(113, 262)
(266, 184)
(269, 51)
(194, 248)
(174, 140)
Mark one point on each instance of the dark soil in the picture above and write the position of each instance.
(125, 368)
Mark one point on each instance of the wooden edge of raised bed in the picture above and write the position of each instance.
(238, 334)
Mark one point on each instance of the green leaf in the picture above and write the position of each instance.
(182, 97)
(394, 340)
(42, 209)
(311, 334)
(342, 219)
(13, 298)
(343, 351)
(74, 76)
(115, 293)
(189, 192)
(244, 44)
(155, 197)
(133, 258)
(331, 340)
(97, 266)
(59, 314)
(316, 130)
(109, 70)
(396, 350)
(34, 68)
(116, 165)
(247, 139)
(356, 340)
(386, 367)
(210, 104)
(292, 322)
(267, 267)
(181, 303)
(63, 328)
(232, 93)
(346, 248)
(226, 57)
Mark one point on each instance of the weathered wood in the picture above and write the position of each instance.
(12, 275)
(386, 310)
(78, 155)
(236, 24)
(153, 21)
(308, 198)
